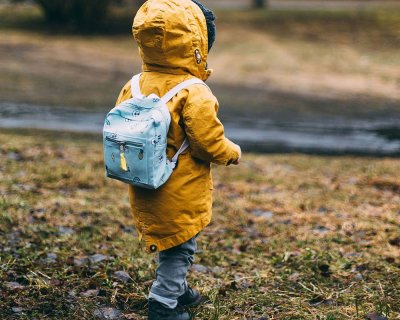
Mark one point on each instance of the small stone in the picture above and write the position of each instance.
(80, 261)
(199, 268)
(72, 294)
(50, 258)
(107, 313)
(323, 209)
(294, 276)
(28, 245)
(320, 229)
(325, 270)
(263, 214)
(395, 242)
(51, 255)
(390, 259)
(14, 285)
(90, 293)
(358, 277)
(329, 302)
(55, 282)
(17, 309)
(362, 267)
(316, 301)
(65, 231)
(131, 316)
(98, 257)
(129, 229)
(375, 316)
(15, 156)
(122, 276)
(217, 270)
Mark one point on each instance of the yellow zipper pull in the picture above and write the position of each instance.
(122, 157)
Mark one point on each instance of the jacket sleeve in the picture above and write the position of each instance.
(204, 130)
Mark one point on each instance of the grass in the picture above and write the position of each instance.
(286, 61)
(293, 236)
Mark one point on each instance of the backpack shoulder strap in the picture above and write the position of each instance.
(175, 90)
(166, 98)
(135, 90)
(135, 86)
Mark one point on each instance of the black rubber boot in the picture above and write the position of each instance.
(191, 298)
(158, 312)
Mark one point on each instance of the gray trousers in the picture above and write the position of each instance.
(173, 266)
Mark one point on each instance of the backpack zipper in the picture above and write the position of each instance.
(128, 143)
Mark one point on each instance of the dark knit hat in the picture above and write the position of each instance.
(210, 19)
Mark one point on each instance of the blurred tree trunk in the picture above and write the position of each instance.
(259, 4)
(81, 13)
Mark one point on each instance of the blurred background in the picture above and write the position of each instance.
(316, 76)
(293, 236)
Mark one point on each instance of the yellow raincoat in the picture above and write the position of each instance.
(173, 44)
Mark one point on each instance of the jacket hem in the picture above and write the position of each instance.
(153, 246)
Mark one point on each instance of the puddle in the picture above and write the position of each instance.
(370, 137)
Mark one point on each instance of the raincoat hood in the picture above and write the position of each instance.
(172, 37)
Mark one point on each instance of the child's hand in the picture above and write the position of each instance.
(240, 155)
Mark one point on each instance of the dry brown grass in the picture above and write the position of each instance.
(293, 236)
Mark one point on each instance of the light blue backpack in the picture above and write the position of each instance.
(135, 138)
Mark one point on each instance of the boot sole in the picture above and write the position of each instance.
(195, 303)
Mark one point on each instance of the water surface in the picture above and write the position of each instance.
(325, 136)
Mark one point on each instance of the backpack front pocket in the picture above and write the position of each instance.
(126, 160)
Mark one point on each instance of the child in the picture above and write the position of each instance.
(174, 38)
